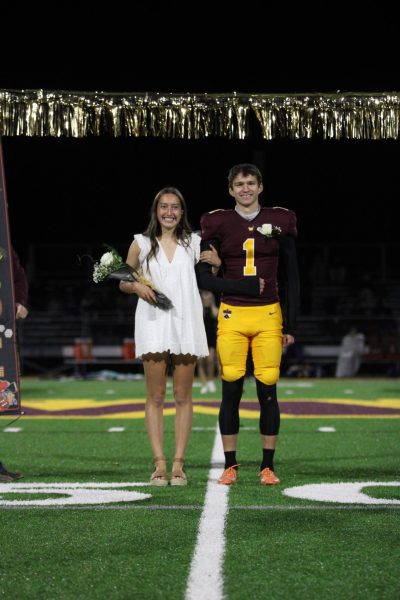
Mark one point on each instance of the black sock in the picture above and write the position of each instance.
(230, 458)
(268, 459)
(229, 410)
(269, 409)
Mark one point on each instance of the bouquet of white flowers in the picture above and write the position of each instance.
(111, 266)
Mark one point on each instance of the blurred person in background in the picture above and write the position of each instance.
(351, 350)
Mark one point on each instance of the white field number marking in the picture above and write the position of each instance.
(345, 493)
(77, 493)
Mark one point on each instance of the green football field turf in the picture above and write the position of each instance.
(299, 388)
(277, 546)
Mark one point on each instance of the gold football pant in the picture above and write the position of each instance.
(255, 327)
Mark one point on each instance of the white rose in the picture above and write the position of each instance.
(8, 333)
(107, 259)
(266, 229)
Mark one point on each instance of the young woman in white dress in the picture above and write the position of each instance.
(167, 253)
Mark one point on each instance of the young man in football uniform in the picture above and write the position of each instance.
(252, 241)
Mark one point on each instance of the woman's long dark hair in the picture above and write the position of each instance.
(182, 231)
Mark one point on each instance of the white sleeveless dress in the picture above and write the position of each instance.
(179, 330)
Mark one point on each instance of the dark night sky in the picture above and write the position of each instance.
(100, 189)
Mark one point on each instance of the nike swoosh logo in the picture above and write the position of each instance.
(273, 313)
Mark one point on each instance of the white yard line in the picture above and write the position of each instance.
(166, 507)
(206, 573)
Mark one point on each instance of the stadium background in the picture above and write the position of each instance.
(67, 197)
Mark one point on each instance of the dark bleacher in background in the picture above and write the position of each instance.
(343, 285)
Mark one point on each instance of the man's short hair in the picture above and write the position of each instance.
(244, 169)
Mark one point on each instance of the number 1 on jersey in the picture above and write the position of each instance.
(248, 247)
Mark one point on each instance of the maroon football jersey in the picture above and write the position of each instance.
(245, 251)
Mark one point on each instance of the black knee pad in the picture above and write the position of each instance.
(229, 410)
(270, 416)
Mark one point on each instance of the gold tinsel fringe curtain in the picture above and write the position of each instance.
(195, 116)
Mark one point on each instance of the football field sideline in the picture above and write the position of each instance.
(161, 544)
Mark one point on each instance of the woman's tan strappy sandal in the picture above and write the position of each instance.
(159, 476)
(178, 475)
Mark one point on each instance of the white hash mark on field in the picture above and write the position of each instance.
(203, 428)
(12, 429)
(206, 577)
(116, 429)
(213, 429)
(300, 384)
(327, 429)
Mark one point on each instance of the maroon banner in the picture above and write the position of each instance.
(10, 401)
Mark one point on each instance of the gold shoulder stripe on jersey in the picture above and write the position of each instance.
(282, 207)
(213, 211)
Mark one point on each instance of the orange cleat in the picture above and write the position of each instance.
(268, 477)
(229, 476)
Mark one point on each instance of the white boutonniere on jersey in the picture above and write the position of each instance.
(269, 230)
(111, 266)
